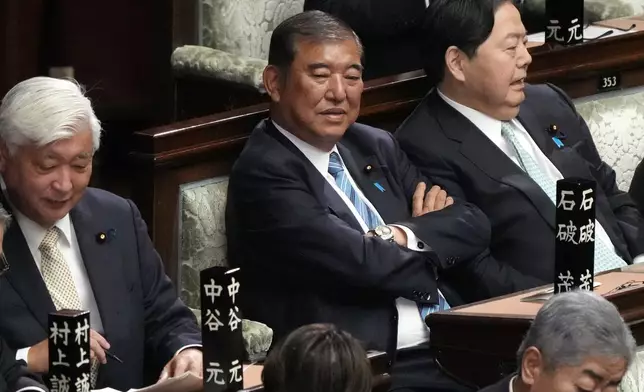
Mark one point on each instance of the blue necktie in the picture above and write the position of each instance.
(336, 169)
(605, 259)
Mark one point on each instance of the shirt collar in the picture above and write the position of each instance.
(32, 231)
(317, 157)
(488, 125)
(512, 383)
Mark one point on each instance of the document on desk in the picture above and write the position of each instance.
(187, 382)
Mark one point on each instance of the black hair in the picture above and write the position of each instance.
(317, 358)
(314, 25)
(465, 24)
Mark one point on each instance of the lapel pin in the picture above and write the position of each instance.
(104, 237)
(557, 141)
(380, 187)
(368, 169)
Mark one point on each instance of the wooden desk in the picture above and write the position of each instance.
(477, 343)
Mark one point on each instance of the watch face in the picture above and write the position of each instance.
(384, 232)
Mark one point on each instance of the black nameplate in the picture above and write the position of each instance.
(564, 22)
(221, 327)
(69, 355)
(575, 235)
(609, 81)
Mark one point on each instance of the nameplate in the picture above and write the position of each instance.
(609, 82)
(69, 353)
(575, 235)
(221, 330)
(564, 22)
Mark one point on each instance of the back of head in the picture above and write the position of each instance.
(574, 326)
(317, 358)
(42, 110)
(315, 26)
(465, 24)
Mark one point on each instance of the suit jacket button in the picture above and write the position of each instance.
(420, 245)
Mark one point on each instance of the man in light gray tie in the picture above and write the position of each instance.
(488, 137)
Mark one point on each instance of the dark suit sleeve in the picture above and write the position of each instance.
(373, 17)
(169, 324)
(637, 187)
(459, 240)
(280, 216)
(628, 216)
(491, 277)
(14, 374)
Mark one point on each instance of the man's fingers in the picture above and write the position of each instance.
(165, 373)
(181, 365)
(100, 339)
(417, 199)
(441, 197)
(430, 199)
(449, 201)
(196, 368)
(98, 350)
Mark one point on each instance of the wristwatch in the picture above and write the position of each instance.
(384, 232)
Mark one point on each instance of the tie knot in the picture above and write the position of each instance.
(335, 164)
(51, 239)
(507, 129)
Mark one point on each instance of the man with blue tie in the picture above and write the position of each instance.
(329, 221)
(493, 140)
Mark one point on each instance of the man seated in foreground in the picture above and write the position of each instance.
(329, 221)
(577, 342)
(74, 247)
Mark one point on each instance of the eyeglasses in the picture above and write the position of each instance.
(626, 285)
(4, 264)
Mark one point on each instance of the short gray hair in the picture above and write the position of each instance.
(575, 325)
(5, 218)
(42, 110)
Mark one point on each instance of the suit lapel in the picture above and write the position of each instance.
(103, 265)
(483, 153)
(333, 200)
(25, 277)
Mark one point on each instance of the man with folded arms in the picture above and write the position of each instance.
(329, 221)
(493, 140)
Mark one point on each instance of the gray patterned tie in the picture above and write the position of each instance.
(59, 281)
(605, 259)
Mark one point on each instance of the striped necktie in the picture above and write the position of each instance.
(605, 258)
(336, 169)
(60, 284)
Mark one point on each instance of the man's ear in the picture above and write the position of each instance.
(532, 365)
(455, 63)
(273, 82)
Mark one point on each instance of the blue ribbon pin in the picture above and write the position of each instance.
(380, 187)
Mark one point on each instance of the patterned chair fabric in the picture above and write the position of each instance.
(616, 121)
(240, 31)
(202, 228)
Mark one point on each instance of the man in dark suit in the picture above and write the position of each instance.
(489, 138)
(577, 342)
(389, 31)
(13, 374)
(320, 216)
(73, 247)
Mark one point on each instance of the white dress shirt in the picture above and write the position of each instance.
(68, 246)
(412, 330)
(25, 389)
(492, 129)
(511, 383)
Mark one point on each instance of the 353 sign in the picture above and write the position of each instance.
(609, 82)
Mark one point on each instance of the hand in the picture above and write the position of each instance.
(188, 360)
(38, 356)
(436, 199)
